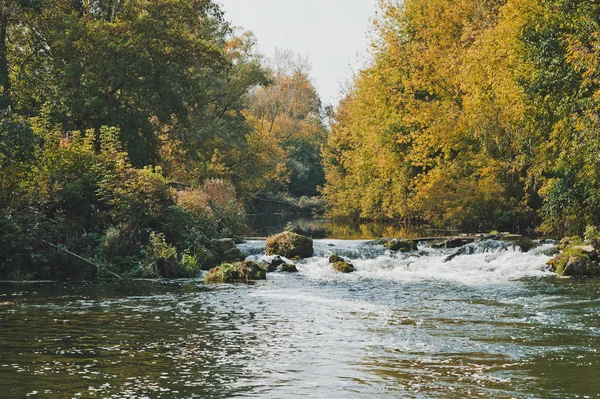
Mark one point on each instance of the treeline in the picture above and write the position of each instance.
(132, 131)
(476, 115)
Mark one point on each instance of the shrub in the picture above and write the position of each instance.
(228, 212)
(159, 258)
(196, 203)
(591, 232)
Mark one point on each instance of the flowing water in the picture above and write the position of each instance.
(492, 323)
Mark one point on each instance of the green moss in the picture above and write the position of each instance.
(343, 267)
(290, 245)
(235, 272)
(568, 242)
(335, 258)
(397, 244)
(572, 254)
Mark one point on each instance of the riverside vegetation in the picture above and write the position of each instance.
(474, 114)
(132, 133)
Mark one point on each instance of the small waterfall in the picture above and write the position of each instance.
(483, 262)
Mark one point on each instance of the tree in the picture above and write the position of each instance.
(287, 128)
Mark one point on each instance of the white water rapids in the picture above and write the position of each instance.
(485, 262)
(492, 322)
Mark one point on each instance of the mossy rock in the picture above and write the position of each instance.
(223, 245)
(576, 261)
(242, 272)
(287, 268)
(398, 244)
(525, 244)
(233, 255)
(335, 258)
(454, 242)
(340, 264)
(569, 242)
(207, 259)
(290, 245)
(343, 267)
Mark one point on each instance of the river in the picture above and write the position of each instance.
(491, 324)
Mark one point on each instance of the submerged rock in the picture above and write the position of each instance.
(290, 245)
(340, 264)
(398, 244)
(242, 272)
(525, 244)
(454, 242)
(271, 265)
(287, 268)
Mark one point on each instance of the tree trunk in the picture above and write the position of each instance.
(4, 77)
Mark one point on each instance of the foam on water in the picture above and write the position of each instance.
(486, 262)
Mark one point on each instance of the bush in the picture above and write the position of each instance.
(228, 211)
(591, 232)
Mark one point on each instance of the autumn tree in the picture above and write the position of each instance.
(288, 131)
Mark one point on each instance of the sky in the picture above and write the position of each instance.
(332, 33)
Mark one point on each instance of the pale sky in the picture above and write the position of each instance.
(332, 33)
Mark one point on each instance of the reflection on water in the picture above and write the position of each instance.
(401, 326)
(265, 225)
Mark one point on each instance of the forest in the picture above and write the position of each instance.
(134, 133)
(473, 114)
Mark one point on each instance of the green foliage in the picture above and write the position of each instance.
(82, 196)
(123, 135)
(591, 232)
(431, 131)
(243, 272)
(159, 258)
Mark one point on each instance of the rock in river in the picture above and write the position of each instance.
(290, 245)
(340, 264)
(242, 272)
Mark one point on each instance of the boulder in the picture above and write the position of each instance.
(207, 259)
(271, 265)
(233, 255)
(335, 258)
(576, 261)
(242, 272)
(223, 245)
(454, 242)
(290, 245)
(287, 268)
(219, 251)
(340, 264)
(525, 244)
(397, 244)
(343, 267)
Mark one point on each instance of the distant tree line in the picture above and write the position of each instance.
(476, 115)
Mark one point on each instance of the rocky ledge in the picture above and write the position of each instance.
(577, 258)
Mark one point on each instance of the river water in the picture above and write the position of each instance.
(491, 324)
